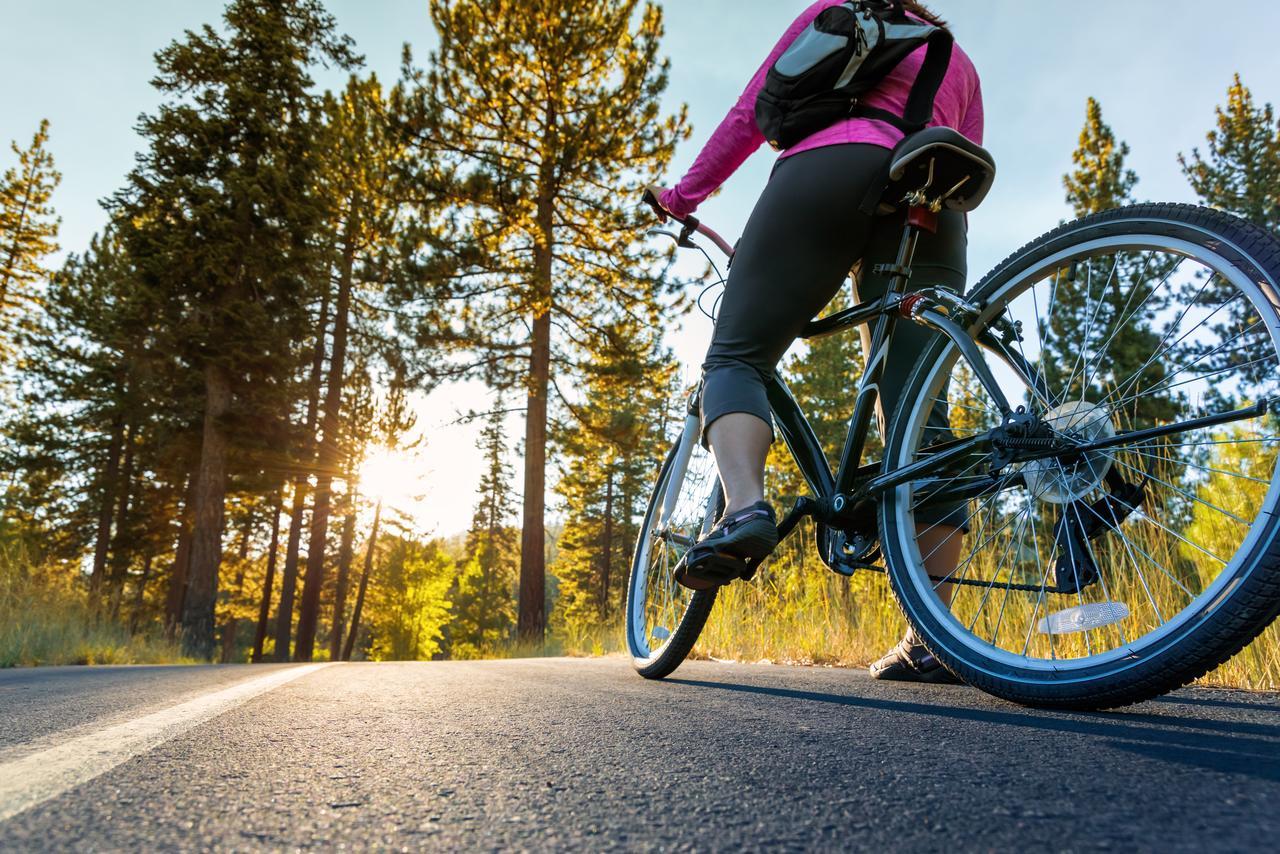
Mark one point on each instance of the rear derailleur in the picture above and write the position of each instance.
(1082, 522)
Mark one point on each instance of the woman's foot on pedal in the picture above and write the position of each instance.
(910, 661)
(733, 549)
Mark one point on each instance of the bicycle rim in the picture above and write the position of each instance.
(663, 618)
(1125, 329)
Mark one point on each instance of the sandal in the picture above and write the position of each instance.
(733, 549)
(910, 661)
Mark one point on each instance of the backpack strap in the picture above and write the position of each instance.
(937, 61)
(924, 92)
(920, 106)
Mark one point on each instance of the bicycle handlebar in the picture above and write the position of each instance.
(690, 225)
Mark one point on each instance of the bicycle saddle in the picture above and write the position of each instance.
(939, 168)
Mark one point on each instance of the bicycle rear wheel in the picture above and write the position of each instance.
(1107, 577)
(663, 619)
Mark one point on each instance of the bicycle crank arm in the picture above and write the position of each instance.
(803, 507)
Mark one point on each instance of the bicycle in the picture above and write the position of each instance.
(1111, 394)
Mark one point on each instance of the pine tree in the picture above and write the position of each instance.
(541, 120)
(28, 228)
(1240, 172)
(1101, 180)
(303, 457)
(410, 602)
(220, 215)
(363, 159)
(393, 421)
(484, 601)
(359, 417)
(1107, 302)
(609, 453)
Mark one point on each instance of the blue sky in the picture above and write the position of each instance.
(1157, 67)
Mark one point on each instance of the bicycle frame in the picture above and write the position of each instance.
(836, 493)
(839, 497)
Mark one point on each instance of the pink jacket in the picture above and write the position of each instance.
(959, 106)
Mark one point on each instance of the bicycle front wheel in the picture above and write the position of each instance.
(1104, 577)
(663, 618)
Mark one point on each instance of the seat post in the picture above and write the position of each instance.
(918, 219)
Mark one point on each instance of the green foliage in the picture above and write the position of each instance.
(608, 455)
(1237, 453)
(410, 602)
(1240, 172)
(1101, 180)
(28, 230)
(221, 218)
(1102, 328)
(46, 619)
(171, 384)
(539, 122)
(484, 601)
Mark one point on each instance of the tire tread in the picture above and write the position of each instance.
(1252, 606)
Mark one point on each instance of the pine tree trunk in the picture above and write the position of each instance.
(20, 225)
(229, 630)
(177, 594)
(103, 539)
(232, 626)
(264, 607)
(206, 535)
(139, 596)
(344, 572)
(533, 536)
(119, 557)
(289, 580)
(364, 586)
(607, 545)
(328, 463)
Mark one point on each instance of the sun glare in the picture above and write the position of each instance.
(396, 477)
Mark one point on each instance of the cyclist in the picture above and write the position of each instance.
(804, 236)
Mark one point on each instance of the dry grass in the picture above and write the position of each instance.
(45, 619)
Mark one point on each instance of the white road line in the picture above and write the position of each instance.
(47, 773)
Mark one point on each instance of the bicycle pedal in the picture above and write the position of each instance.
(713, 567)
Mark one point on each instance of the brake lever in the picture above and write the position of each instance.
(688, 225)
(690, 228)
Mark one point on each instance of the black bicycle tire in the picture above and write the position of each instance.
(1195, 649)
(695, 616)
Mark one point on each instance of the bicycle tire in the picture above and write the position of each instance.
(1204, 642)
(660, 663)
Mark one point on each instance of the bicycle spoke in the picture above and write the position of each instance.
(1190, 464)
(1119, 404)
(1102, 577)
(1004, 601)
(1124, 320)
(1017, 535)
(1081, 357)
(1133, 378)
(1151, 351)
(1183, 493)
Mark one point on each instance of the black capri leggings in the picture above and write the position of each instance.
(806, 234)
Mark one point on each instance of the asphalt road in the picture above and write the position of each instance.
(569, 753)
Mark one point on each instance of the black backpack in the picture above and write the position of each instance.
(840, 57)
